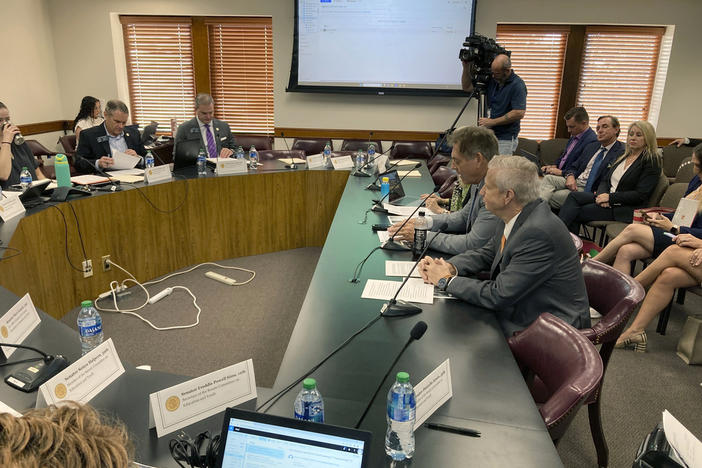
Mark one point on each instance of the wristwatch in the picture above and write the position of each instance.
(675, 230)
(444, 282)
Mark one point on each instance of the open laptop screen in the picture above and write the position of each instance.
(396, 190)
(256, 440)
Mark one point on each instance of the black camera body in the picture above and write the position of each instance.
(481, 51)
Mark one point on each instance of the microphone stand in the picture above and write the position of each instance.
(453, 126)
(360, 173)
(372, 186)
(378, 207)
(390, 244)
(292, 164)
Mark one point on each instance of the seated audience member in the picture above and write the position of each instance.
(627, 185)
(473, 225)
(89, 116)
(448, 205)
(14, 157)
(685, 141)
(532, 260)
(98, 143)
(679, 266)
(585, 175)
(72, 435)
(638, 241)
(213, 134)
(578, 125)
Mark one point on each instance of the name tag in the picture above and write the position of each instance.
(192, 401)
(314, 161)
(226, 166)
(342, 162)
(10, 207)
(157, 174)
(102, 139)
(83, 379)
(18, 323)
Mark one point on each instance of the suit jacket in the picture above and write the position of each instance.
(538, 271)
(94, 144)
(590, 151)
(588, 137)
(635, 186)
(466, 230)
(190, 130)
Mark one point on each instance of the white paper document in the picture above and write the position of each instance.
(400, 210)
(686, 212)
(432, 392)
(123, 160)
(88, 179)
(394, 219)
(292, 160)
(384, 236)
(18, 322)
(414, 291)
(399, 268)
(136, 172)
(405, 162)
(412, 173)
(682, 440)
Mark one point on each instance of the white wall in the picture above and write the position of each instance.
(84, 60)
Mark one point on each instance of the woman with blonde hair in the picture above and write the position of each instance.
(627, 185)
(639, 241)
(69, 435)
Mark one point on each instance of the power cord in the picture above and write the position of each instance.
(116, 287)
(160, 210)
(80, 236)
(65, 228)
(184, 449)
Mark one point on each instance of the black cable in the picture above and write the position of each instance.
(80, 236)
(180, 205)
(184, 449)
(65, 227)
(5, 364)
(359, 268)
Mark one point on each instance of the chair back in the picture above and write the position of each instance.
(565, 361)
(526, 144)
(69, 143)
(411, 149)
(673, 157)
(267, 155)
(310, 145)
(38, 149)
(446, 189)
(549, 150)
(438, 161)
(355, 145)
(660, 189)
(441, 174)
(686, 171)
(261, 142)
(673, 194)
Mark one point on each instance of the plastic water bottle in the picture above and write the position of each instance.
(384, 187)
(371, 154)
(239, 153)
(399, 438)
(63, 171)
(420, 235)
(201, 163)
(25, 178)
(360, 160)
(149, 160)
(327, 155)
(309, 405)
(89, 326)
(253, 157)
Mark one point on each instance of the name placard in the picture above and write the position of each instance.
(432, 392)
(83, 379)
(314, 161)
(342, 162)
(10, 207)
(189, 402)
(8, 409)
(157, 174)
(17, 323)
(226, 166)
(381, 163)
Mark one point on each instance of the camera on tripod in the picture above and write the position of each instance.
(481, 51)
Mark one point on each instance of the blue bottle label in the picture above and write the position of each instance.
(90, 327)
(399, 408)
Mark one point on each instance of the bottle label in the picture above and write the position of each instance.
(402, 406)
(309, 413)
(90, 327)
(420, 238)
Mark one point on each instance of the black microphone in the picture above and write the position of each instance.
(390, 244)
(292, 164)
(395, 308)
(360, 173)
(115, 187)
(30, 379)
(378, 207)
(416, 333)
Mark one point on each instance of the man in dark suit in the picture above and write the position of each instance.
(97, 144)
(534, 266)
(586, 174)
(205, 131)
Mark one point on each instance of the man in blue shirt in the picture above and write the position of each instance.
(506, 100)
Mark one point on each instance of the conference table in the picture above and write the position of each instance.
(304, 207)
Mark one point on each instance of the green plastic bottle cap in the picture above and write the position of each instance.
(402, 377)
(309, 384)
(86, 304)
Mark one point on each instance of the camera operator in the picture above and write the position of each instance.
(506, 99)
(14, 157)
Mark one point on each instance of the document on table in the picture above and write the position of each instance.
(409, 173)
(292, 160)
(124, 161)
(405, 162)
(414, 291)
(89, 179)
(135, 171)
(399, 210)
(398, 268)
(682, 440)
(383, 236)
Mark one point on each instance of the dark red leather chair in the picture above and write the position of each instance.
(40, 150)
(261, 142)
(446, 189)
(614, 295)
(310, 145)
(268, 155)
(355, 145)
(567, 365)
(441, 174)
(69, 144)
(411, 150)
(438, 161)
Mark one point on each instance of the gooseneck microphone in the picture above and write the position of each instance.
(359, 172)
(416, 333)
(378, 207)
(373, 186)
(395, 308)
(390, 244)
(292, 164)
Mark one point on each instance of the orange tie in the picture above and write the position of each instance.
(502, 243)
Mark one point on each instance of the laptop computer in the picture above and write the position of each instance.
(252, 439)
(396, 190)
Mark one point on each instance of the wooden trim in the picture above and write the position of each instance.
(237, 20)
(46, 127)
(201, 55)
(340, 134)
(575, 50)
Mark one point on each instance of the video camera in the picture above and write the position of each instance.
(481, 51)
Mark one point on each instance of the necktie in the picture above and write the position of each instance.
(571, 144)
(502, 243)
(211, 147)
(595, 169)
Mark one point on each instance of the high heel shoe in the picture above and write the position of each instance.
(637, 342)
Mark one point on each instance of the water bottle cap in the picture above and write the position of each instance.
(402, 377)
(24, 168)
(309, 384)
(86, 304)
(60, 158)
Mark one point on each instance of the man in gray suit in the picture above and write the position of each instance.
(473, 225)
(212, 134)
(532, 260)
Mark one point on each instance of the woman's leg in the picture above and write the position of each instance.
(672, 256)
(640, 235)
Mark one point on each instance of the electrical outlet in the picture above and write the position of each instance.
(87, 268)
(106, 263)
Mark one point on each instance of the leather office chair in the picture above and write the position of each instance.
(549, 150)
(564, 364)
(438, 161)
(686, 171)
(614, 295)
(531, 146)
(441, 174)
(411, 150)
(40, 150)
(68, 142)
(446, 189)
(268, 155)
(261, 142)
(355, 145)
(673, 158)
(311, 145)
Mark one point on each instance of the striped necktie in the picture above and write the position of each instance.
(211, 147)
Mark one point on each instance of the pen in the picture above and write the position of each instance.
(453, 429)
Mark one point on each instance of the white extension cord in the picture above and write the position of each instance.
(116, 287)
